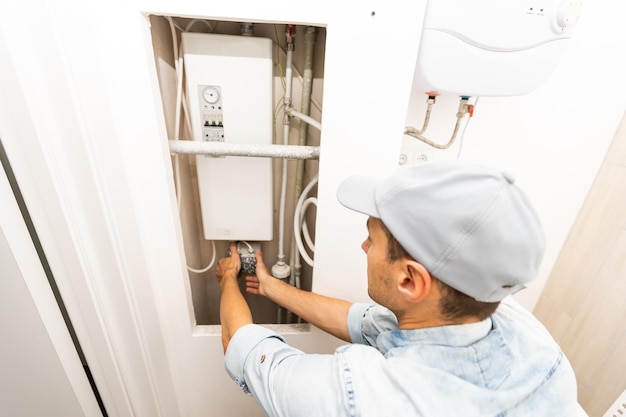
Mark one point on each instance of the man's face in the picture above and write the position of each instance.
(379, 279)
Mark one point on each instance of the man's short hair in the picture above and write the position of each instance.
(454, 304)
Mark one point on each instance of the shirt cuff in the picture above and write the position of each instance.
(355, 322)
(241, 344)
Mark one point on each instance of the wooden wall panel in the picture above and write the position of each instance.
(583, 302)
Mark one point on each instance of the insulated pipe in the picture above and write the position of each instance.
(307, 88)
(244, 149)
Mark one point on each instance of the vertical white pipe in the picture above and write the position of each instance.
(279, 269)
(288, 77)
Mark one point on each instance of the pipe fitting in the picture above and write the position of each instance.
(281, 270)
(290, 36)
(246, 29)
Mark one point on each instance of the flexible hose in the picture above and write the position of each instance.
(297, 218)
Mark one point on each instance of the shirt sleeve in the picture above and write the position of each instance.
(367, 321)
(283, 380)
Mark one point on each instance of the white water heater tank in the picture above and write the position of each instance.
(492, 47)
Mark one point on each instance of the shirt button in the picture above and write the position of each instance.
(262, 358)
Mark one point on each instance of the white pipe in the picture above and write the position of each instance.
(256, 150)
(307, 119)
(283, 194)
(281, 269)
(288, 76)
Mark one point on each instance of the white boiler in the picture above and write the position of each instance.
(229, 87)
(492, 47)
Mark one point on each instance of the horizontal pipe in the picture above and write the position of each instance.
(244, 149)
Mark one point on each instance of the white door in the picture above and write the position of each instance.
(40, 370)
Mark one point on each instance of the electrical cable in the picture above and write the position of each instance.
(181, 106)
(461, 139)
(192, 22)
(280, 69)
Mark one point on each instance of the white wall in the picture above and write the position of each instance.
(113, 185)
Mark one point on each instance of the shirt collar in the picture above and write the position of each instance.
(451, 335)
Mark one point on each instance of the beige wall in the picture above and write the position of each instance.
(583, 302)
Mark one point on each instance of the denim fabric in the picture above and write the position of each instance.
(507, 365)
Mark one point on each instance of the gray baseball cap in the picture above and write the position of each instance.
(468, 224)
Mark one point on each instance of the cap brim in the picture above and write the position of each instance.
(358, 193)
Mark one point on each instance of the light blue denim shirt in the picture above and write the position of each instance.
(507, 365)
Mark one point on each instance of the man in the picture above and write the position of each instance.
(447, 243)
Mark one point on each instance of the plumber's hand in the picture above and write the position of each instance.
(259, 283)
(228, 268)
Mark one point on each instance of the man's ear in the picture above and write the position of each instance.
(415, 281)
